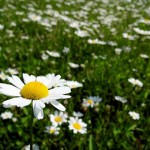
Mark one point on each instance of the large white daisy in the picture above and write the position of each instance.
(38, 90)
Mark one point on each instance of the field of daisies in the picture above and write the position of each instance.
(75, 75)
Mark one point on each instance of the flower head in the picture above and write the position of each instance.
(91, 101)
(134, 115)
(77, 125)
(34, 147)
(135, 82)
(58, 118)
(6, 115)
(73, 84)
(38, 90)
(120, 99)
(52, 130)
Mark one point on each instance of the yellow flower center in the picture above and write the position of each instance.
(34, 90)
(51, 131)
(77, 126)
(90, 101)
(58, 119)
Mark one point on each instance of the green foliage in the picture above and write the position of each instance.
(102, 72)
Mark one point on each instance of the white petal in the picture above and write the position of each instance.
(38, 109)
(16, 81)
(28, 78)
(43, 80)
(9, 90)
(19, 101)
(58, 105)
(60, 90)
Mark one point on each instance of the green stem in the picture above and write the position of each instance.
(31, 128)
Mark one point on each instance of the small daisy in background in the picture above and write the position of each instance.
(144, 56)
(77, 114)
(58, 118)
(53, 53)
(38, 90)
(91, 101)
(52, 130)
(134, 115)
(120, 99)
(73, 84)
(6, 115)
(135, 82)
(66, 50)
(12, 71)
(34, 147)
(77, 125)
(3, 76)
(73, 65)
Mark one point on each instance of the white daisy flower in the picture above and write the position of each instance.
(77, 114)
(53, 53)
(6, 115)
(135, 82)
(73, 65)
(120, 99)
(77, 125)
(52, 130)
(34, 17)
(58, 118)
(91, 101)
(12, 71)
(36, 90)
(144, 56)
(134, 115)
(3, 76)
(73, 84)
(34, 147)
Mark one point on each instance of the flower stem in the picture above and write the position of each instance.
(31, 127)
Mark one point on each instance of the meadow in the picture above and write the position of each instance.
(101, 48)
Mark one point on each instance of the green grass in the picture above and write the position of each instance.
(109, 125)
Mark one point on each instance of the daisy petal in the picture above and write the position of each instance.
(58, 105)
(43, 80)
(60, 90)
(28, 78)
(16, 81)
(9, 90)
(38, 109)
(19, 102)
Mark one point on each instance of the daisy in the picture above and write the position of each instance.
(144, 56)
(53, 53)
(73, 65)
(77, 114)
(12, 71)
(6, 115)
(135, 82)
(73, 84)
(34, 147)
(77, 125)
(91, 101)
(134, 115)
(37, 90)
(3, 76)
(58, 118)
(120, 99)
(52, 130)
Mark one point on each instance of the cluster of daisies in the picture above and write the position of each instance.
(38, 90)
(75, 122)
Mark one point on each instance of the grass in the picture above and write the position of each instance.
(102, 72)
